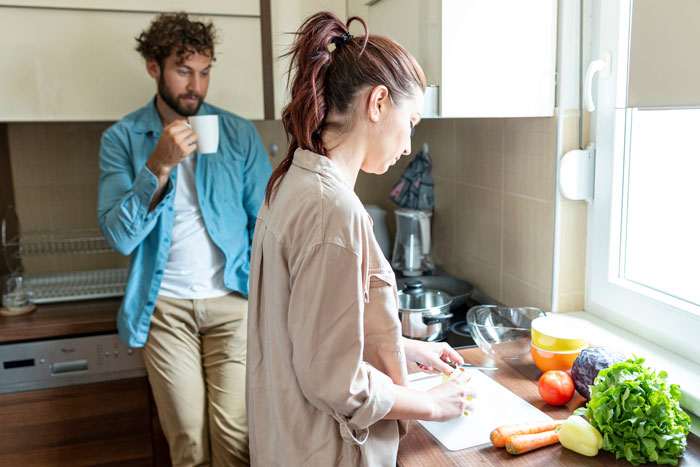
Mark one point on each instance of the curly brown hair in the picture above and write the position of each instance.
(170, 30)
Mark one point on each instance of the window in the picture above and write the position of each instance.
(643, 251)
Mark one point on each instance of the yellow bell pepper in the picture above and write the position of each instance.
(580, 436)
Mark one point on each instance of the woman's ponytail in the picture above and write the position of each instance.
(324, 80)
(307, 109)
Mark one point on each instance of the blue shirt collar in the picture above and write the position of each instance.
(148, 121)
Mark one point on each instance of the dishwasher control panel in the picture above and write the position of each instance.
(26, 366)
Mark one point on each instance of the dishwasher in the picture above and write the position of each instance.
(51, 363)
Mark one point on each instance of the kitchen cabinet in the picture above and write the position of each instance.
(79, 64)
(490, 58)
(239, 7)
(104, 423)
(90, 424)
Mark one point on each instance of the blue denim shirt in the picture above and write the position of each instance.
(230, 188)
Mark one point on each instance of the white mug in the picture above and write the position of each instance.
(207, 129)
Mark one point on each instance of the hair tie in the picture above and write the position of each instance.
(339, 40)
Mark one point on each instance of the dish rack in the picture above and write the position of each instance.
(63, 286)
(77, 285)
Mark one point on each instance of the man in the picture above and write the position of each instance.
(187, 221)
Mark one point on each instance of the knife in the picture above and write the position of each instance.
(454, 365)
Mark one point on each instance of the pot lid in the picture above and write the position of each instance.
(413, 297)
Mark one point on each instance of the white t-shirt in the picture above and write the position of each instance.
(195, 268)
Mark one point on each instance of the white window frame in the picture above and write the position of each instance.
(671, 323)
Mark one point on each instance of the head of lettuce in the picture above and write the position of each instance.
(638, 413)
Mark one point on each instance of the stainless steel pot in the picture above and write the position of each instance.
(424, 313)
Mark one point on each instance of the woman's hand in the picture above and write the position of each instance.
(449, 400)
(432, 354)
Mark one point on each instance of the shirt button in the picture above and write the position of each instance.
(159, 271)
(166, 240)
(170, 208)
(149, 303)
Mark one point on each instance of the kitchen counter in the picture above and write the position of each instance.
(419, 449)
(61, 319)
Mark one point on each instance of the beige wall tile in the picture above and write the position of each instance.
(527, 240)
(479, 152)
(478, 213)
(444, 257)
(32, 205)
(570, 137)
(28, 154)
(519, 293)
(529, 157)
(572, 251)
(443, 216)
(439, 134)
(73, 206)
(484, 277)
(73, 152)
(570, 302)
(530, 125)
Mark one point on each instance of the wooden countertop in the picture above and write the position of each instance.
(419, 449)
(61, 319)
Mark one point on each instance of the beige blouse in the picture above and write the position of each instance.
(324, 339)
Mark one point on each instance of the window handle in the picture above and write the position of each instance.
(593, 67)
(601, 65)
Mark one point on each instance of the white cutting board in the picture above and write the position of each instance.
(495, 406)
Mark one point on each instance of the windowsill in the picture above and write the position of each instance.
(680, 370)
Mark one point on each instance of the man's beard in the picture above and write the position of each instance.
(174, 102)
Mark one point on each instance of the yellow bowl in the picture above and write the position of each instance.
(547, 360)
(557, 333)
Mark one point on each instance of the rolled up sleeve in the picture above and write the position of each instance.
(326, 329)
(124, 197)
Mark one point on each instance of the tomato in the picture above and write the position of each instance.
(556, 387)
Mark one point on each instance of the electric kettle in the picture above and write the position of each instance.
(411, 254)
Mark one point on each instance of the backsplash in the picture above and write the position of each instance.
(494, 199)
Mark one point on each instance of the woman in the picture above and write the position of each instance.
(326, 361)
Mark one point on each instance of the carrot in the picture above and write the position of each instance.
(519, 444)
(499, 436)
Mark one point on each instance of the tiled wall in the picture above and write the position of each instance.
(494, 199)
(55, 171)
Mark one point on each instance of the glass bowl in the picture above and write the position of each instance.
(500, 331)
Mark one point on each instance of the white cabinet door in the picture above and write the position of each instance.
(80, 65)
(238, 7)
(498, 58)
(491, 58)
(415, 24)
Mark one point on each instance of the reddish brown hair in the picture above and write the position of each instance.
(326, 80)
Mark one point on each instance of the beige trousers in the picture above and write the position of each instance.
(195, 358)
